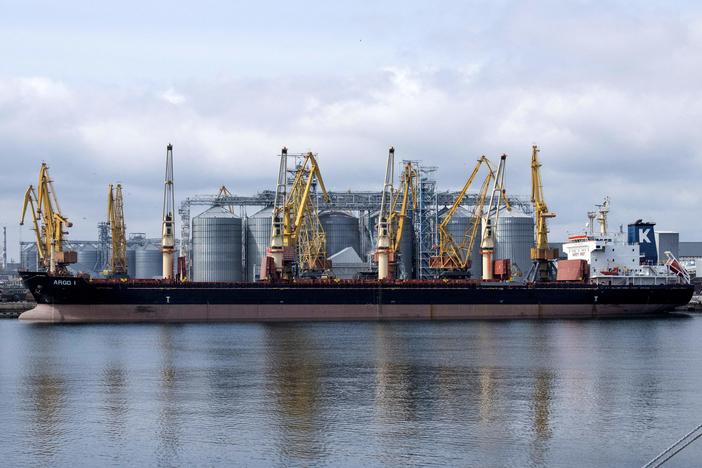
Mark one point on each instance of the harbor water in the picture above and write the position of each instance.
(514, 393)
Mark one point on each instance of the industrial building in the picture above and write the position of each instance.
(227, 244)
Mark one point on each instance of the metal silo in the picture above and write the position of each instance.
(88, 256)
(148, 262)
(342, 231)
(514, 238)
(131, 262)
(258, 238)
(405, 261)
(29, 257)
(217, 245)
(457, 227)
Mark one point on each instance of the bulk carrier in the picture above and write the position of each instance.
(604, 274)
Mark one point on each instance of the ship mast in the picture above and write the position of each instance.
(602, 211)
(168, 219)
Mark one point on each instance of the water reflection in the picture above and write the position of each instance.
(602, 393)
(116, 401)
(293, 369)
(45, 388)
(168, 422)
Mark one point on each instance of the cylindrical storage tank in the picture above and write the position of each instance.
(131, 262)
(405, 261)
(258, 238)
(514, 238)
(217, 245)
(148, 262)
(29, 257)
(457, 227)
(342, 230)
(87, 259)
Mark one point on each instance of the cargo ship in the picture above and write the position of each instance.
(604, 275)
(83, 300)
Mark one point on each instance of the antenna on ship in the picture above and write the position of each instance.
(168, 219)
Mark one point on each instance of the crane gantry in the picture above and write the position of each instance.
(48, 223)
(297, 237)
(453, 257)
(393, 212)
(542, 256)
(115, 219)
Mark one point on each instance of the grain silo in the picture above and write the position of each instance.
(258, 238)
(131, 262)
(29, 257)
(217, 247)
(342, 230)
(405, 260)
(88, 256)
(148, 261)
(514, 238)
(457, 227)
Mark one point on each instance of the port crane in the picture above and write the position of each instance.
(118, 230)
(167, 218)
(454, 255)
(48, 223)
(298, 241)
(393, 212)
(542, 256)
(498, 199)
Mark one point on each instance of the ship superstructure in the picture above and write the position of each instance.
(617, 258)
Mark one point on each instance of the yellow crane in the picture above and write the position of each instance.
(454, 255)
(48, 223)
(393, 211)
(297, 236)
(115, 218)
(498, 198)
(542, 256)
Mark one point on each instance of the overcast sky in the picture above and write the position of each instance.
(610, 90)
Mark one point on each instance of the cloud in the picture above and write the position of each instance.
(611, 95)
(172, 96)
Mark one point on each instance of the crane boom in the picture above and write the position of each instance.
(48, 223)
(454, 255)
(115, 218)
(297, 235)
(393, 212)
(542, 256)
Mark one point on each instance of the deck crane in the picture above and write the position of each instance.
(393, 212)
(542, 256)
(115, 219)
(454, 254)
(498, 198)
(297, 237)
(48, 223)
(168, 219)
